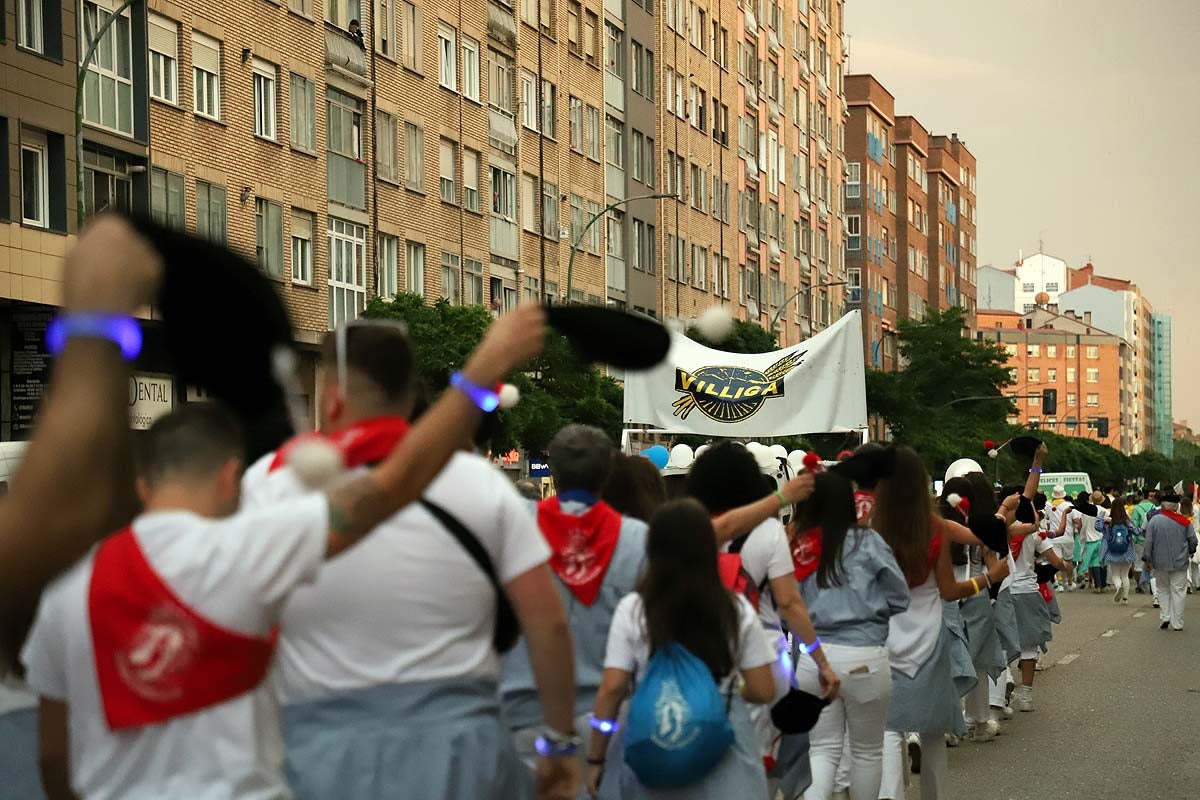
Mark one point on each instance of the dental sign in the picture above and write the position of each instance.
(816, 386)
(150, 397)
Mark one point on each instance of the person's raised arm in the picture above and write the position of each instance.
(738, 521)
(362, 502)
(75, 482)
(1035, 472)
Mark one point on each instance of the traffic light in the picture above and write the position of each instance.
(1050, 402)
(1102, 428)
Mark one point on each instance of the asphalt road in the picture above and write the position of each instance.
(1117, 713)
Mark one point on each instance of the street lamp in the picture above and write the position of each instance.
(80, 77)
(804, 290)
(599, 215)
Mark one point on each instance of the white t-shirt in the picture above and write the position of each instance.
(766, 556)
(629, 646)
(407, 603)
(236, 572)
(1090, 534)
(1023, 578)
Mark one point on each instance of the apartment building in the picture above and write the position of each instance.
(1164, 435)
(908, 155)
(952, 280)
(962, 213)
(1068, 353)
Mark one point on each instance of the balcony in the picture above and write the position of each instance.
(502, 131)
(751, 22)
(347, 181)
(343, 52)
(614, 267)
(614, 181)
(751, 169)
(773, 42)
(504, 237)
(774, 252)
(752, 242)
(502, 25)
(614, 90)
(751, 95)
(775, 112)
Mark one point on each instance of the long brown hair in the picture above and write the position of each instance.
(1117, 515)
(903, 514)
(682, 594)
(635, 487)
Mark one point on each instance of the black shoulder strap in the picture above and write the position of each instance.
(507, 628)
(737, 544)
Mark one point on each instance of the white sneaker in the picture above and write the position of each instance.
(1008, 712)
(953, 740)
(1023, 699)
(985, 731)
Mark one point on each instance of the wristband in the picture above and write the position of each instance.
(1038, 470)
(552, 744)
(975, 585)
(486, 400)
(602, 725)
(783, 501)
(807, 649)
(123, 331)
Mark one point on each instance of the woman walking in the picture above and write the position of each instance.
(1119, 534)
(852, 586)
(681, 601)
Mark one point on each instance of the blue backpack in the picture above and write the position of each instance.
(1118, 545)
(678, 726)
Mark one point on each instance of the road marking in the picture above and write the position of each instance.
(1067, 659)
(1139, 615)
(1108, 634)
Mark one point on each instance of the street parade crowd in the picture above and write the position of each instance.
(404, 622)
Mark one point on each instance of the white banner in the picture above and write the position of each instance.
(817, 386)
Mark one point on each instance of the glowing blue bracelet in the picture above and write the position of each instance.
(808, 648)
(602, 725)
(486, 400)
(550, 748)
(121, 330)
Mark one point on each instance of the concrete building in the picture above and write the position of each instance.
(1070, 354)
(1164, 434)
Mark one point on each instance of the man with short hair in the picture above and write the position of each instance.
(149, 654)
(597, 556)
(1170, 544)
(387, 667)
(528, 489)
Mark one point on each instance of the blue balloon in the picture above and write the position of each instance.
(658, 455)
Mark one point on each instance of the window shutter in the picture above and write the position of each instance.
(302, 226)
(206, 53)
(163, 35)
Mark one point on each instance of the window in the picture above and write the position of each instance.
(614, 141)
(1071, 375)
(1027, 287)
(450, 278)
(1093, 376)
(643, 71)
(302, 247)
(471, 180)
(500, 86)
(643, 246)
(575, 114)
(447, 63)
(340, 12)
(387, 252)
(614, 50)
(1052, 375)
(1051, 351)
(1052, 286)
(528, 208)
(410, 36)
(385, 28)
(414, 157)
(539, 12)
(303, 111)
(347, 271)
(1034, 375)
(346, 175)
(414, 267)
(1034, 401)
(593, 233)
(1093, 351)
(268, 236)
(853, 180)
(108, 86)
(206, 68)
(448, 167)
(549, 109)
(385, 145)
(504, 194)
(1072, 399)
(1033, 350)
(163, 38)
(853, 232)
(301, 7)
(107, 185)
(264, 99)
(1070, 351)
(591, 24)
(529, 101)
(574, 27)
(473, 282)
(166, 198)
(636, 153)
(30, 26)
(1093, 400)
(470, 59)
(550, 210)
(210, 212)
(591, 133)
(35, 180)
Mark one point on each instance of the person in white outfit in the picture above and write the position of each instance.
(1170, 544)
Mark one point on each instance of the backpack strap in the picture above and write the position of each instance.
(737, 544)
(508, 629)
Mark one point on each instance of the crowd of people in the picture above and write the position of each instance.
(414, 625)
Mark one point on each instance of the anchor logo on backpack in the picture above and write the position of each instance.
(672, 715)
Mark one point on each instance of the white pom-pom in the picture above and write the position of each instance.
(993, 453)
(509, 395)
(954, 500)
(316, 462)
(715, 324)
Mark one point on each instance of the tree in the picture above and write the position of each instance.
(745, 337)
(557, 388)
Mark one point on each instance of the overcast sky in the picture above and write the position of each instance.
(1085, 118)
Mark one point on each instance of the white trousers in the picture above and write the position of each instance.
(997, 688)
(976, 702)
(1172, 587)
(1193, 573)
(858, 714)
(1118, 576)
(933, 766)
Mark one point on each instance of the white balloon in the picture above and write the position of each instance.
(681, 456)
(764, 457)
(778, 450)
(796, 460)
(964, 466)
(700, 450)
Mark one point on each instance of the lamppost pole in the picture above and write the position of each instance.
(600, 215)
(80, 77)
(806, 290)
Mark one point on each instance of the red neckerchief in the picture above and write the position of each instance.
(582, 546)
(156, 658)
(864, 504)
(935, 552)
(367, 441)
(806, 553)
(1045, 591)
(1014, 545)
(1175, 516)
